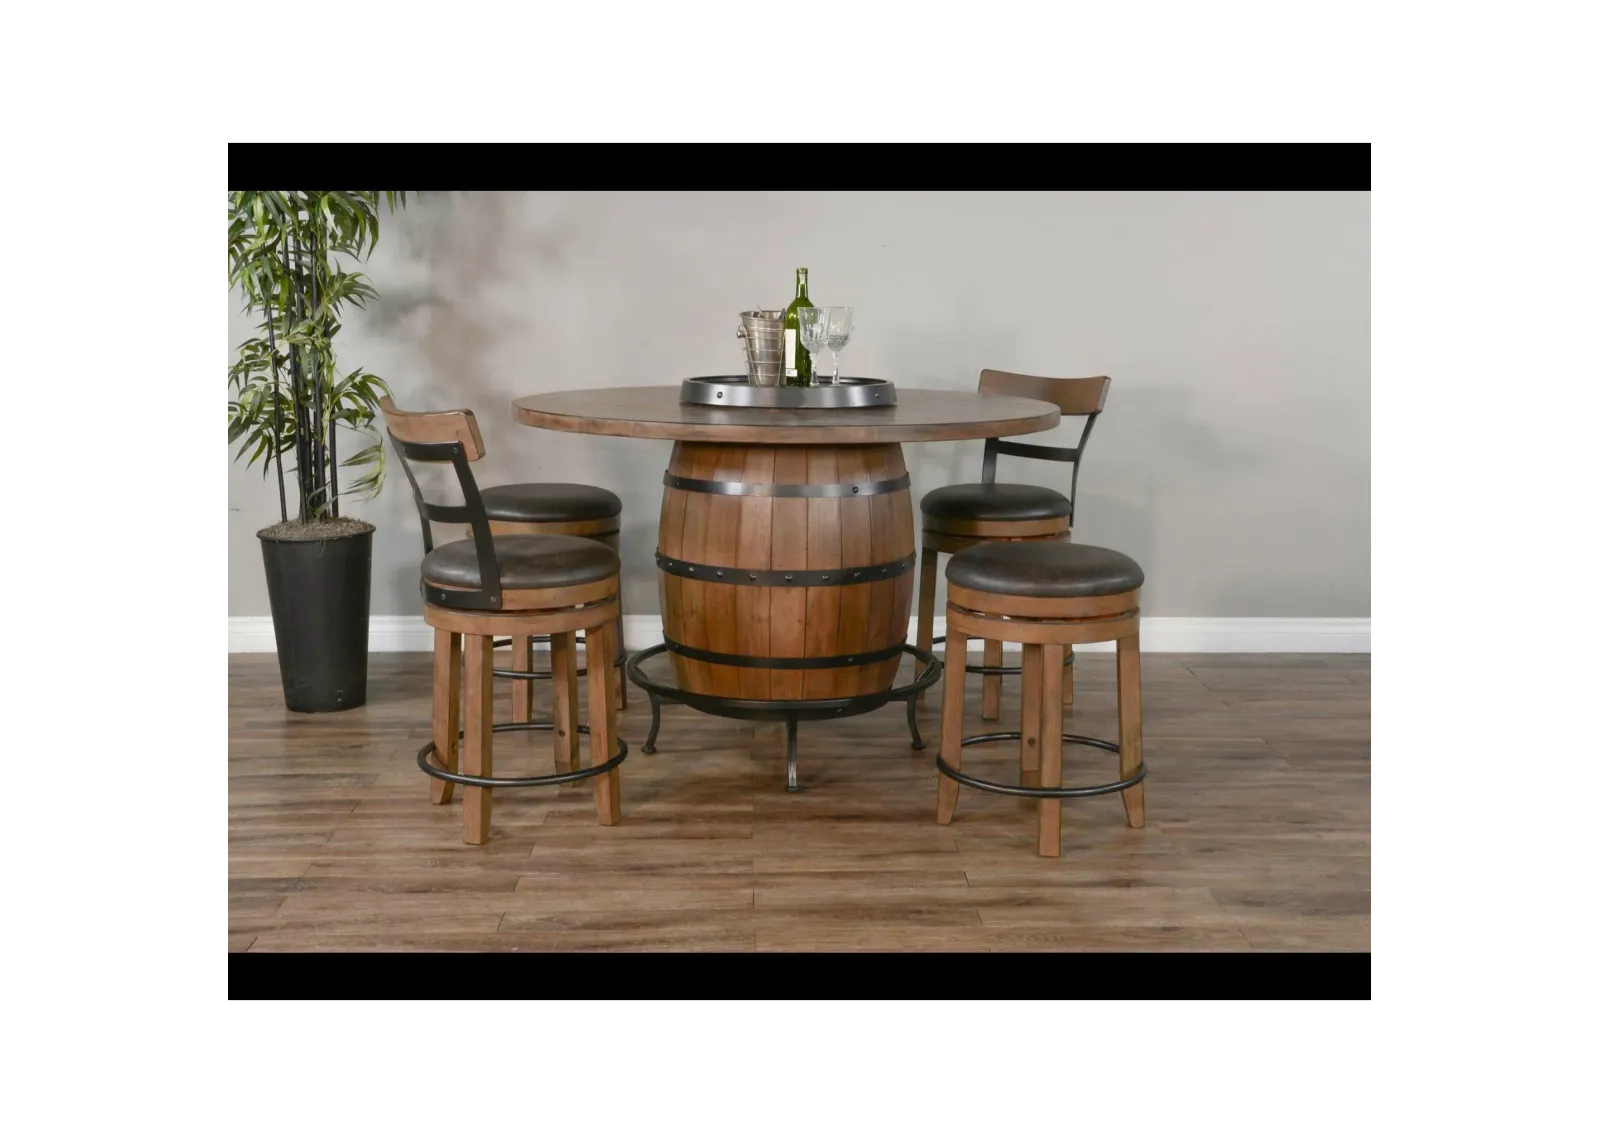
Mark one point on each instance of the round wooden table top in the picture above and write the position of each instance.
(653, 412)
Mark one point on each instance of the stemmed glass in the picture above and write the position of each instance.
(825, 327)
(813, 335)
(837, 333)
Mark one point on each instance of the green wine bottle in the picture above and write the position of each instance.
(796, 358)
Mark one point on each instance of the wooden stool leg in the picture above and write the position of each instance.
(1066, 682)
(991, 683)
(522, 689)
(927, 585)
(446, 712)
(1032, 698)
(619, 685)
(618, 645)
(478, 757)
(602, 725)
(955, 684)
(564, 680)
(1130, 724)
(1050, 744)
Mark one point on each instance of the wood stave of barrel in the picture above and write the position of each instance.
(763, 533)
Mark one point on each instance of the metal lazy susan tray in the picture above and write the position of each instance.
(736, 392)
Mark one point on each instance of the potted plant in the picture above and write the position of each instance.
(290, 399)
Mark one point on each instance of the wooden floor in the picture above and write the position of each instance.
(1258, 831)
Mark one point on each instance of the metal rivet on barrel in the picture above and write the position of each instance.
(824, 579)
(719, 392)
(788, 577)
(855, 488)
(752, 575)
(719, 573)
(691, 567)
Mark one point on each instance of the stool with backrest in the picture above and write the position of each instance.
(549, 509)
(960, 516)
(516, 586)
(1046, 597)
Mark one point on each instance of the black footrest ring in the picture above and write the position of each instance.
(518, 783)
(1072, 657)
(507, 673)
(536, 638)
(1034, 791)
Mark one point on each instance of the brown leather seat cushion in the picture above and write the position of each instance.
(1044, 568)
(995, 502)
(550, 503)
(525, 562)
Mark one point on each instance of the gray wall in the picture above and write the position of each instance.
(1232, 461)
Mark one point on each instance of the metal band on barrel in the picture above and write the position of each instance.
(786, 577)
(819, 663)
(796, 491)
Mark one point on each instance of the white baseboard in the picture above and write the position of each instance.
(387, 633)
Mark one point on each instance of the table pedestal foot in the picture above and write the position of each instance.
(911, 721)
(655, 722)
(794, 754)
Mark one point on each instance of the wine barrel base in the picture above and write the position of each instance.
(786, 572)
(791, 711)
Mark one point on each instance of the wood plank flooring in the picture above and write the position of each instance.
(1257, 834)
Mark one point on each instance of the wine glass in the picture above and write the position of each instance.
(836, 334)
(813, 335)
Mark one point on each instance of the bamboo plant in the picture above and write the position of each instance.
(289, 397)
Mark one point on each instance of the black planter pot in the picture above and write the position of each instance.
(321, 592)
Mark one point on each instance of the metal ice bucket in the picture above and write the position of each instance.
(762, 331)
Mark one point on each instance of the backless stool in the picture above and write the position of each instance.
(1046, 597)
(960, 516)
(554, 510)
(518, 586)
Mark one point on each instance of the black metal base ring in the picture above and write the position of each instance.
(1035, 791)
(519, 783)
(789, 710)
(804, 709)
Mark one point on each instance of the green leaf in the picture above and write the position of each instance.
(271, 278)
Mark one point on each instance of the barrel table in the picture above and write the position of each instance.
(787, 545)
